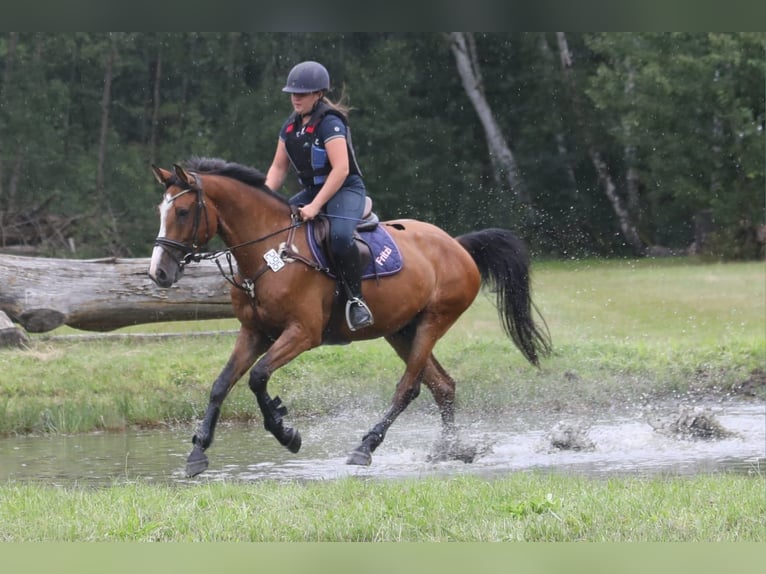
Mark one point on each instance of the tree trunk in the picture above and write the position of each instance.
(105, 294)
(561, 144)
(627, 226)
(506, 171)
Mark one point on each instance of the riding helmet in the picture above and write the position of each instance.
(307, 77)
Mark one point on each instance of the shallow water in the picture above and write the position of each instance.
(624, 445)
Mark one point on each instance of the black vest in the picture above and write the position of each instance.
(308, 154)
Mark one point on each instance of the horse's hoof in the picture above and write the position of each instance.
(196, 463)
(294, 441)
(359, 458)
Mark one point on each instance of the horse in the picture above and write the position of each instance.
(286, 304)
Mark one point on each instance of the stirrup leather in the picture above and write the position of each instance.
(361, 303)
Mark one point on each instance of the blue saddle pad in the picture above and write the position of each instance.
(386, 258)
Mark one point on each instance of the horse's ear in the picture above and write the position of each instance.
(161, 175)
(184, 175)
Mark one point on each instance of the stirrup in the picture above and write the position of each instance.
(365, 308)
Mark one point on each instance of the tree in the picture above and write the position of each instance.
(627, 223)
(694, 118)
(584, 143)
(463, 46)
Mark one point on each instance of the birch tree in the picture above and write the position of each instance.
(463, 46)
(627, 225)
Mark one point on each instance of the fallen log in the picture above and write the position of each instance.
(10, 334)
(41, 294)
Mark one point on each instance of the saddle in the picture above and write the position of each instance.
(320, 230)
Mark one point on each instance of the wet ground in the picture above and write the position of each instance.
(605, 445)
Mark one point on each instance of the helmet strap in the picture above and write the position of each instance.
(314, 107)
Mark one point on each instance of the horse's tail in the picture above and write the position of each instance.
(503, 261)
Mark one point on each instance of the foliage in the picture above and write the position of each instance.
(685, 110)
(693, 99)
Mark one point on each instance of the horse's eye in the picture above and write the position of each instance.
(182, 212)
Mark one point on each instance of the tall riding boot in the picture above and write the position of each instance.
(358, 314)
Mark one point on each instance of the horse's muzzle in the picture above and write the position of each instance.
(162, 279)
(164, 269)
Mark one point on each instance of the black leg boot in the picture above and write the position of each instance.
(358, 314)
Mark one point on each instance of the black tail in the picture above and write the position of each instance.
(503, 261)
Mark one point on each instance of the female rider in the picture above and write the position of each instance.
(316, 140)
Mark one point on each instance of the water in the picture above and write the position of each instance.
(625, 445)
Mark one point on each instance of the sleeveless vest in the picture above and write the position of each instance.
(307, 153)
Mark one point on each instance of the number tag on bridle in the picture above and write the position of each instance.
(273, 260)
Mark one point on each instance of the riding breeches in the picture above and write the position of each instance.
(344, 210)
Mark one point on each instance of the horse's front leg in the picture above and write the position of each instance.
(246, 349)
(292, 342)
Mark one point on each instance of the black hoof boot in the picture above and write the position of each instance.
(196, 463)
(273, 411)
(360, 457)
(291, 440)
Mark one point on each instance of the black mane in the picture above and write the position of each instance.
(243, 173)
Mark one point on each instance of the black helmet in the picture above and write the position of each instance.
(307, 77)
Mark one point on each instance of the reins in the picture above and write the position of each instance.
(248, 284)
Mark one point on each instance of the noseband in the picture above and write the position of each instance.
(189, 253)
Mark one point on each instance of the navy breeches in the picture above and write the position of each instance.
(344, 210)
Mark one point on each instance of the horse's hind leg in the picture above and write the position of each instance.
(442, 387)
(413, 344)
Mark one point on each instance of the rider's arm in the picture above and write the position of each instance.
(275, 177)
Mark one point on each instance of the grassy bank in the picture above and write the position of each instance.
(521, 507)
(621, 330)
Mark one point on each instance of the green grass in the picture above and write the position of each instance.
(621, 330)
(521, 507)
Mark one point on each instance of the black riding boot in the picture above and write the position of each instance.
(358, 314)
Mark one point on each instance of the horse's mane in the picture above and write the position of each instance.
(243, 173)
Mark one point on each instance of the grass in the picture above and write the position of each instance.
(621, 330)
(521, 507)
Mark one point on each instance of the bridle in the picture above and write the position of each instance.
(189, 252)
(194, 253)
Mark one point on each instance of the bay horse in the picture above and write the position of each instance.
(289, 306)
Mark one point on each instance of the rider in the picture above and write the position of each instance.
(316, 140)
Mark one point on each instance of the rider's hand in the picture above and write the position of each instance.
(308, 212)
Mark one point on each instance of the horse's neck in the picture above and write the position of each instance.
(246, 213)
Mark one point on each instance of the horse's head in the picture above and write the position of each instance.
(187, 223)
